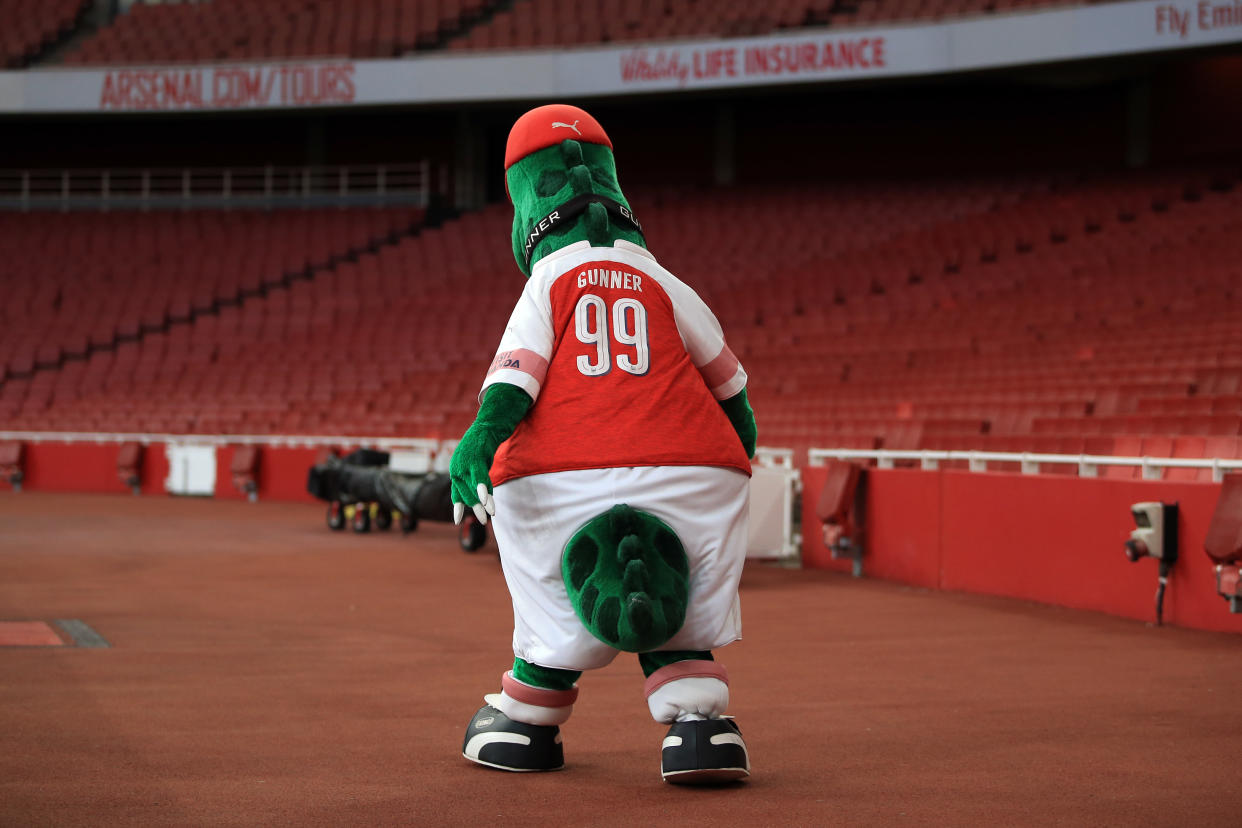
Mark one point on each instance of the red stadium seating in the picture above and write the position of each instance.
(27, 29)
(245, 30)
(149, 313)
(1066, 315)
(551, 23)
(177, 32)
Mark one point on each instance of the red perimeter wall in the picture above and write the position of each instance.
(89, 467)
(1047, 538)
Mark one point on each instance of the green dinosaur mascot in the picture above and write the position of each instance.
(612, 445)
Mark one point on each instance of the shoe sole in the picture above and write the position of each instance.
(706, 776)
(509, 769)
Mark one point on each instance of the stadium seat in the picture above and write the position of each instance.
(1223, 543)
(244, 469)
(12, 454)
(838, 508)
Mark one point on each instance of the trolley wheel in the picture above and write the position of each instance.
(472, 534)
(362, 518)
(336, 516)
(408, 524)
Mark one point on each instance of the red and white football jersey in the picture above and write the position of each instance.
(625, 363)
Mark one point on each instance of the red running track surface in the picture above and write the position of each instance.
(263, 670)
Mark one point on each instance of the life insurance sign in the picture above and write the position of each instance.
(226, 87)
(775, 60)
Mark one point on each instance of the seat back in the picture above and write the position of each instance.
(11, 455)
(129, 457)
(245, 460)
(1224, 536)
(836, 499)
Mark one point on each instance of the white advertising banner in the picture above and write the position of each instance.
(802, 56)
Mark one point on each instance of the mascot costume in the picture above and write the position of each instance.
(613, 445)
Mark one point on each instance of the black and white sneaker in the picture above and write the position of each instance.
(495, 740)
(706, 752)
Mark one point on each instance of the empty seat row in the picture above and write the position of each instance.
(175, 32)
(244, 30)
(121, 326)
(28, 29)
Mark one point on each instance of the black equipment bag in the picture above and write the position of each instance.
(424, 496)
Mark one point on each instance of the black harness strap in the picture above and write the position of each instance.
(573, 208)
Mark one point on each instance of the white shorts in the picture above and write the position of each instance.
(708, 508)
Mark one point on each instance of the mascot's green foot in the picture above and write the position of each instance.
(628, 579)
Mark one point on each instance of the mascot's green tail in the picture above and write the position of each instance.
(628, 579)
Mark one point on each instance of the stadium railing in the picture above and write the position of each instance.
(775, 457)
(269, 186)
(282, 440)
(1031, 462)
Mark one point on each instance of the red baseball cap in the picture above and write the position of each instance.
(546, 126)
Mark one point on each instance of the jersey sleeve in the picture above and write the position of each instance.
(704, 340)
(526, 347)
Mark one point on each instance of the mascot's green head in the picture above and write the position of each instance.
(562, 180)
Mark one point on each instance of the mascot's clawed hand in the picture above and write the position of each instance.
(470, 466)
(615, 427)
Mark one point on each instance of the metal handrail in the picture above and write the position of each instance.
(215, 187)
(1088, 464)
(782, 458)
(288, 440)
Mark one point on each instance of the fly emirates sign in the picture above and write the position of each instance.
(1203, 16)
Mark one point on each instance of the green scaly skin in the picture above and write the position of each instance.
(503, 407)
(553, 678)
(628, 579)
(549, 678)
(742, 417)
(544, 180)
(538, 184)
(650, 662)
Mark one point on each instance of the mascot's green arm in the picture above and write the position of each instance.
(742, 416)
(503, 407)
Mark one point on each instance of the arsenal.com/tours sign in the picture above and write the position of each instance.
(229, 87)
(807, 55)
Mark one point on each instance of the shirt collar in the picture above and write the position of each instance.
(622, 244)
(619, 244)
